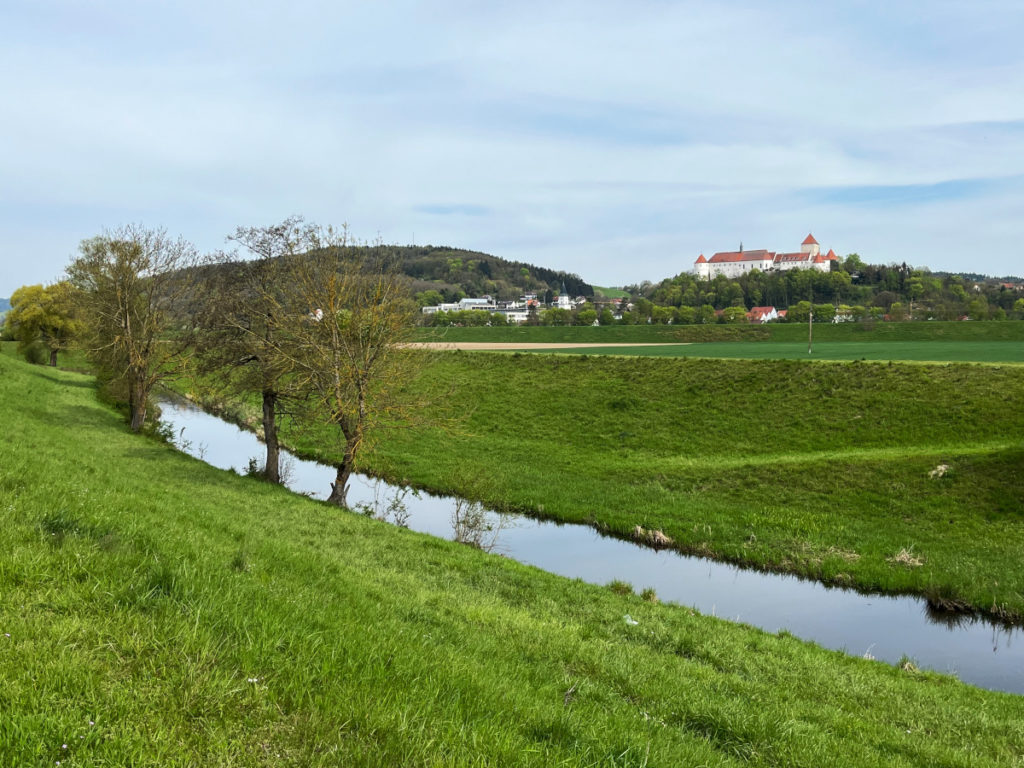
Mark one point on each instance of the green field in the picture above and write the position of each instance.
(920, 351)
(822, 470)
(158, 612)
(1012, 330)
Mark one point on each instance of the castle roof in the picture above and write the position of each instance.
(788, 258)
(819, 259)
(809, 240)
(831, 255)
(724, 257)
(701, 259)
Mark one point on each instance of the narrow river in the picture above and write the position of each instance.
(886, 628)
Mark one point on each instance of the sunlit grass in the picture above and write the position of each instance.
(157, 612)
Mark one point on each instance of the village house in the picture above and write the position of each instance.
(762, 315)
(736, 263)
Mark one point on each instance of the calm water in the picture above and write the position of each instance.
(977, 651)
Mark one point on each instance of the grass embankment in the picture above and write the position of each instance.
(1009, 331)
(822, 470)
(158, 612)
(921, 341)
(980, 351)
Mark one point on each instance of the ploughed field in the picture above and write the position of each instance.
(157, 611)
(901, 478)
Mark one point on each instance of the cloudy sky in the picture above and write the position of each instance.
(617, 140)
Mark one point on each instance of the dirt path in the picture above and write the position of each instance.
(493, 346)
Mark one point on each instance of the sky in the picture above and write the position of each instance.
(616, 140)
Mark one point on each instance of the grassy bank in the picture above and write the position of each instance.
(158, 612)
(978, 351)
(828, 470)
(778, 332)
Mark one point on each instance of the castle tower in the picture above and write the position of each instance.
(810, 245)
(701, 267)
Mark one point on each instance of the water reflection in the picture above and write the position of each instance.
(890, 629)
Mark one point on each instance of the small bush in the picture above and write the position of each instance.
(649, 595)
(621, 587)
(34, 353)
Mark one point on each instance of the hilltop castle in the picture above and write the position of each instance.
(736, 263)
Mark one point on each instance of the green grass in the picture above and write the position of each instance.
(772, 332)
(158, 612)
(610, 293)
(980, 351)
(822, 470)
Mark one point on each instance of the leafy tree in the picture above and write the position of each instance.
(245, 316)
(556, 316)
(607, 318)
(734, 315)
(429, 298)
(706, 314)
(824, 313)
(352, 315)
(977, 309)
(43, 315)
(132, 290)
(799, 312)
(686, 314)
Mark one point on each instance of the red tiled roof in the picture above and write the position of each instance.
(724, 257)
(758, 312)
(787, 257)
(701, 259)
(831, 255)
(809, 240)
(819, 259)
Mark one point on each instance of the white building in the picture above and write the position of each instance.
(741, 262)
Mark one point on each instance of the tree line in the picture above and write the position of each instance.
(853, 288)
(295, 314)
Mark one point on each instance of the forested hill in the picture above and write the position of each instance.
(440, 274)
(453, 271)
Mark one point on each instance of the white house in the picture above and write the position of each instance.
(741, 262)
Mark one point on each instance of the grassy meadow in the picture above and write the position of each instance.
(921, 342)
(900, 478)
(947, 331)
(904, 351)
(155, 611)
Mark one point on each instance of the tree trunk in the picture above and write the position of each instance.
(137, 405)
(53, 358)
(273, 468)
(339, 488)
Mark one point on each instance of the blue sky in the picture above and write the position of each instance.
(617, 140)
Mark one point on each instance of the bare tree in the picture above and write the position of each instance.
(353, 315)
(133, 287)
(245, 320)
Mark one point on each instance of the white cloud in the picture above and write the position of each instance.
(613, 139)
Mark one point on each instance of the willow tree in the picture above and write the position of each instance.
(245, 319)
(354, 315)
(133, 296)
(43, 315)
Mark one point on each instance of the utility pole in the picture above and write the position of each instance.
(810, 325)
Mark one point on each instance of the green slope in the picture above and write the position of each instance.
(778, 464)
(157, 612)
